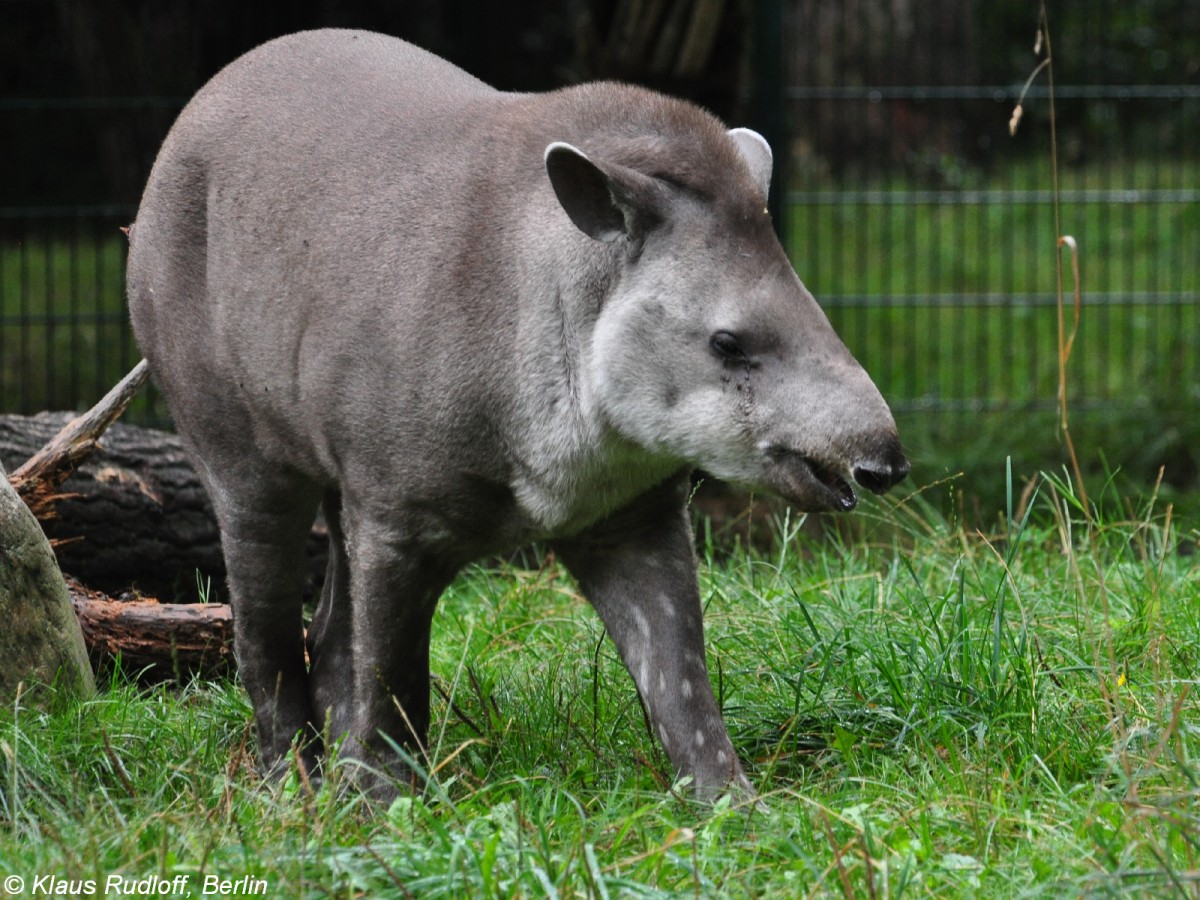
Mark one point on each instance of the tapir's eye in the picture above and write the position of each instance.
(727, 346)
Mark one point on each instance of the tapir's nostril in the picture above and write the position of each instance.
(877, 475)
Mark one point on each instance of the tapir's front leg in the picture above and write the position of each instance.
(638, 570)
(395, 582)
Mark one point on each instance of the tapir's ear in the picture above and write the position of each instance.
(757, 153)
(605, 201)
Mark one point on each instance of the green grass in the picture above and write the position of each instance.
(927, 712)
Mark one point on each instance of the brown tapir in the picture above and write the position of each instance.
(465, 320)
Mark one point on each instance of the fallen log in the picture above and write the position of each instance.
(129, 495)
(155, 641)
(133, 516)
(134, 513)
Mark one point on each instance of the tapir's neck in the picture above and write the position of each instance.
(572, 467)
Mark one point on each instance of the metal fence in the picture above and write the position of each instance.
(64, 333)
(980, 248)
(925, 229)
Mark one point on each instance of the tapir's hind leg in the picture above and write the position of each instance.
(265, 518)
(639, 573)
(330, 638)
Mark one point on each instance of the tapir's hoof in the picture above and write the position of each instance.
(380, 781)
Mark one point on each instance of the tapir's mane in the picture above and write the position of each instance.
(656, 134)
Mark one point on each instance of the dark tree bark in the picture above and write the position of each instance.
(133, 516)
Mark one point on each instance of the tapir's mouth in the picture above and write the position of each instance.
(810, 483)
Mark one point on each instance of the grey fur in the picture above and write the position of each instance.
(464, 320)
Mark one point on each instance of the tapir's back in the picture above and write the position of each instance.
(306, 127)
(288, 213)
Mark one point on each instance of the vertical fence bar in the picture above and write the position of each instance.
(74, 314)
(48, 316)
(7, 350)
(768, 105)
(24, 324)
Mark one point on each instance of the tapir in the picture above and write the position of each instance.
(461, 320)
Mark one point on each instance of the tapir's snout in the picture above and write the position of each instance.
(882, 470)
(825, 482)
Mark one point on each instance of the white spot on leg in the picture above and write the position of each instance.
(685, 688)
(643, 623)
(662, 736)
(668, 607)
(699, 738)
(662, 682)
(722, 757)
(643, 677)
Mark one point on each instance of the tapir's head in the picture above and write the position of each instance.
(708, 348)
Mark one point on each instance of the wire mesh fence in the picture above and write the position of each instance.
(949, 292)
(64, 334)
(928, 231)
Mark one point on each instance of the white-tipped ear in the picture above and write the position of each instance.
(757, 153)
(606, 202)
